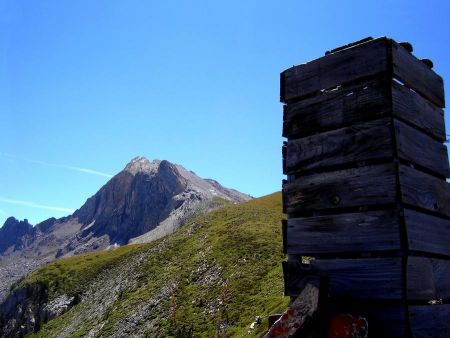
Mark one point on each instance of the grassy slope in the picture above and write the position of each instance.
(222, 267)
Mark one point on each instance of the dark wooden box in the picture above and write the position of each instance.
(366, 192)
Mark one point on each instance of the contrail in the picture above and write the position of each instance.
(34, 205)
(63, 166)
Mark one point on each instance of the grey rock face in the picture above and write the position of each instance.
(133, 202)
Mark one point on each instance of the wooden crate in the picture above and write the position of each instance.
(366, 192)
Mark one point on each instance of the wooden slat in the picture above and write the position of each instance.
(427, 233)
(418, 76)
(349, 279)
(337, 108)
(412, 107)
(350, 232)
(346, 106)
(419, 148)
(424, 191)
(366, 59)
(428, 278)
(430, 321)
(339, 189)
(367, 141)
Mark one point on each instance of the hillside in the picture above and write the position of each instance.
(219, 272)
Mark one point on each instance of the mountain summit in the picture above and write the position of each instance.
(143, 202)
(146, 194)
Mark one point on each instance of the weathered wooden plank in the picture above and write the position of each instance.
(419, 148)
(348, 45)
(337, 108)
(353, 104)
(363, 60)
(299, 314)
(427, 233)
(428, 278)
(430, 321)
(349, 279)
(424, 191)
(412, 107)
(367, 141)
(350, 232)
(339, 189)
(418, 76)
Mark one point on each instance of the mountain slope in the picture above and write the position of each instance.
(218, 272)
(145, 201)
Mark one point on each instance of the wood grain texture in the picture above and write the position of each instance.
(365, 101)
(418, 76)
(427, 233)
(419, 148)
(430, 321)
(337, 108)
(424, 191)
(350, 232)
(284, 226)
(363, 60)
(428, 278)
(349, 279)
(361, 142)
(338, 189)
(412, 107)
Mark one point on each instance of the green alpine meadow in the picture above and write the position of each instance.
(219, 275)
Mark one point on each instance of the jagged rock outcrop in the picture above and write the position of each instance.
(28, 307)
(15, 234)
(22, 312)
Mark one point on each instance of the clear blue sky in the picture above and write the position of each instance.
(90, 84)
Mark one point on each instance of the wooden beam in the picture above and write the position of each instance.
(430, 321)
(424, 191)
(366, 59)
(349, 279)
(428, 278)
(416, 75)
(369, 231)
(367, 141)
(419, 148)
(348, 105)
(369, 59)
(411, 107)
(297, 318)
(427, 233)
(338, 108)
(341, 189)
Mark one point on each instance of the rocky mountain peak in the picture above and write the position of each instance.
(13, 223)
(141, 164)
(12, 233)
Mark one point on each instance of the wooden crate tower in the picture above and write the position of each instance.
(366, 195)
